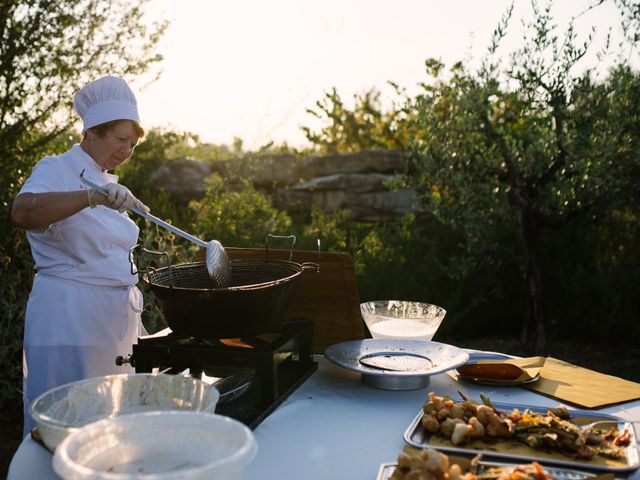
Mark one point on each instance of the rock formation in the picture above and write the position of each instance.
(357, 181)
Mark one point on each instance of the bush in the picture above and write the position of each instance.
(237, 218)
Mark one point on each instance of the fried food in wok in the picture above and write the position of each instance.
(463, 422)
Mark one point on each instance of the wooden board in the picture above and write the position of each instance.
(329, 297)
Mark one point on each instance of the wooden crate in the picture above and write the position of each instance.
(329, 297)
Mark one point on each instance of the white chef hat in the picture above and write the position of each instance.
(103, 100)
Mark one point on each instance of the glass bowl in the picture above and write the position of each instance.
(159, 445)
(402, 319)
(65, 409)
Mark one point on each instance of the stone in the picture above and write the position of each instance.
(381, 206)
(353, 182)
(267, 172)
(182, 178)
(372, 206)
(366, 161)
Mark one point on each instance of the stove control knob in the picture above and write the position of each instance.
(121, 360)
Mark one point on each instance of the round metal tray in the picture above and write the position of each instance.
(396, 364)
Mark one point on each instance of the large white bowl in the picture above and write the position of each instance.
(388, 319)
(65, 409)
(163, 445)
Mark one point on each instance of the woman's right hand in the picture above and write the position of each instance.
(119, 198)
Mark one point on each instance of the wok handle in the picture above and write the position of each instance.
(150, 270)
(132, 264)
(281, 237)
(311, 266)
(148, 216)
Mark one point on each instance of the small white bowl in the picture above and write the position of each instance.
(162, 445)
(388, 319)
(65, 409)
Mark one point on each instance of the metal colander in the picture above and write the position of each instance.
(245, 274)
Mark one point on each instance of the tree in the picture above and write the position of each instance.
(48, 49)
(513, 153)
(366, 126)
(239, 217)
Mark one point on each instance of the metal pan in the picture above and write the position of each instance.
(416, 436)
(557, 473)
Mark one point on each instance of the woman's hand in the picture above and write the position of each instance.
(36, 211)
(119, 198)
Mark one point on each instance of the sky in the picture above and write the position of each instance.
(250, 69)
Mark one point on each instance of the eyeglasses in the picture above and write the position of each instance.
(125, 144)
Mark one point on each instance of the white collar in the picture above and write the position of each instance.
(89, 164)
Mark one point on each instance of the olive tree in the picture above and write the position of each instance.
(366, 126)
(48, 50)
(508, 154)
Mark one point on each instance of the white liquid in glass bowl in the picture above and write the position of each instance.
(402, 328)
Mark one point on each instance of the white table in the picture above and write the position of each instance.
(334, 427)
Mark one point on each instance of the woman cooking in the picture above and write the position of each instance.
(84, 308)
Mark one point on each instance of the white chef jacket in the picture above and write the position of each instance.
(84, 308)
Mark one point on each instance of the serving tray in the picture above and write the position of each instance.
(476, 357)
(557, 473)
(416, 436)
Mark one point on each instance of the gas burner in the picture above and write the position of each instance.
(257, 374)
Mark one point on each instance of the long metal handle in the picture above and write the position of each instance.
(148, 216)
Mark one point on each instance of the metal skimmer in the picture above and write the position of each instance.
(216, 258)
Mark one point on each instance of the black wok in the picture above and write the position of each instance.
(254, 303)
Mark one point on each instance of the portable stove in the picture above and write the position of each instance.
(256, 374)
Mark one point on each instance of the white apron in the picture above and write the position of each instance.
(84, 308)
(75, 331)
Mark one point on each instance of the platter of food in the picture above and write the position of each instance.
(480, 370)
(427, 463)
(525, 433)
(394, 364)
